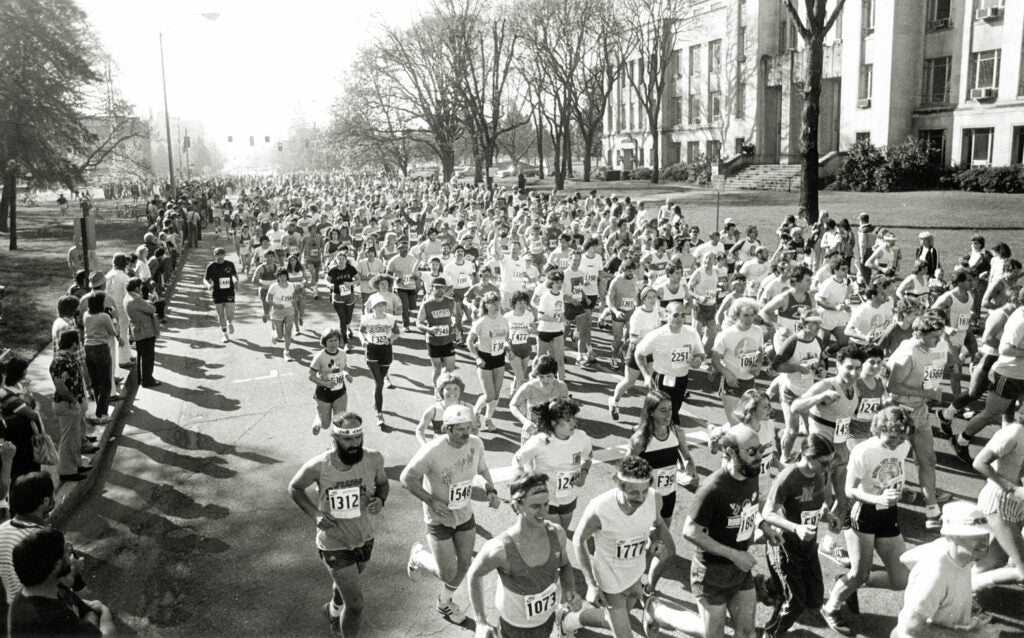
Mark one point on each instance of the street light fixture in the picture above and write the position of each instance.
(167, 115)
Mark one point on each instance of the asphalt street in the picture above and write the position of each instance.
(190, 530)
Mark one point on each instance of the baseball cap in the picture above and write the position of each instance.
(440, 281)
(960, 518)
(924, 235)
(457, 414)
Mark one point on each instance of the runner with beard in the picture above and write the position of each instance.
(721, 524)
(352, 488)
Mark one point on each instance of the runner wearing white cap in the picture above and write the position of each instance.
(378, 331)
(441, 475)
(352, 488)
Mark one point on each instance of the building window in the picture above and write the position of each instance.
(741, 44)
(694, 60)
(677, 59)
(738, 145)
(1020, 83)
(983, 72)
(989, 4)
(867, 72)
(677, 110)
(694, 111)
(741, 97)
(863, 137)
(938, 10)
(977, 147)
(714, 57)
(1018, 145)
(714, 106)
(936, 80)
(787, 33)
(936, 142)
(692, 151)
(868, 16)
(713, 150)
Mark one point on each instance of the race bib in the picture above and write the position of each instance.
(687, 272)
(679, 358)
(224, 283)
(664, 480)
(810, 517)
(932, 376)
(842, 430)
(630, 548)
(874, 334)
(405, 281)
(750, 290)
(344, 502)
(963, 322)
(379, 339)
(628, 303)
(337, 380)
(314, 252)
(458, 494)
(558, 317)
(868, 407)
(344, 290)
(542, 604)
(565, 483)
(748, 359)
(442, 331)
(767, 459)
(462, 281)
(519, 337)
(747, 519)
(497, 347)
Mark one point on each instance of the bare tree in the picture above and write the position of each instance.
(812, 30)
(518, 142)
(649, 27)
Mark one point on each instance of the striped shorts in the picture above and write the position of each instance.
(992, 500)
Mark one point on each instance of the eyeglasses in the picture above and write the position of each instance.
(757, 450)
(677, 314)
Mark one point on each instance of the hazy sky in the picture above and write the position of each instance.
(247, 72)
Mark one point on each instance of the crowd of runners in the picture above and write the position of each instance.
(813, 318)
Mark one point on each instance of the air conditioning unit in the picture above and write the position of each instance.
(986, 93)
(864, 103)
(941, 23)
(989, 13)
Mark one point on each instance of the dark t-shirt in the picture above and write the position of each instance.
(801, 496)
(222, 275)
(341, 279)
(728, 509)
(41, 616)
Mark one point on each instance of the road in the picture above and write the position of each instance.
(190, 530)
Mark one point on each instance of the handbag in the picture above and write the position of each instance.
(44, 452)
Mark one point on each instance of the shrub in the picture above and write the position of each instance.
(676, 172)
(990, 179)
(700, 170)
(899, 167)
(601, 173)
(640, 173)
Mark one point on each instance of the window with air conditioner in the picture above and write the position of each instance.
(868, 16)
(694, 110)
(937, 73)
(939, 14)
(977, 147)
(989, 10)
(983, 74)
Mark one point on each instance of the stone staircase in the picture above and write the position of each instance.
(765, 177)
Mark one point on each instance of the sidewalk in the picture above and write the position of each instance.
(69, 494)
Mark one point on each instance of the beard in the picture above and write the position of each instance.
(750, 470)
(349, 456)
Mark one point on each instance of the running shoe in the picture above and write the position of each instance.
(348, 348)
(380, 420)
(838, 555)
(451, 612)
(963, 452)
(412, 568)
(560, 631)
(946, 425)
(584, 363)
(489, 426)
(613, 410)
(836, 622)
(334, 622)
(224, 337)
(942, 497)
(231, 328)
(288, 355)
(933, 523)
(650, 625)
(391, 386)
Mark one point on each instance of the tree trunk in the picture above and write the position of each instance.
(586, 160)
(655, 155)
(11, 195)
(809, 130)
(540, 148)
(5, 205)
(446, 153)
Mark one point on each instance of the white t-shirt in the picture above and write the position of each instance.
(877, 467)
(591, 267)
(739, 349)
(560, 459)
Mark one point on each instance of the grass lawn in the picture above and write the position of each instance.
(36, 274)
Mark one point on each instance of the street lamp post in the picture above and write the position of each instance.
(167, 114)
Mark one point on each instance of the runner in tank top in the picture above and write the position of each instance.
(536, 582)
(645, 319)
(448, 391)
(621, 301)
(872, 395)
(958, 304)
(782, 312)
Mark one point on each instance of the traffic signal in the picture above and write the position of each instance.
(266, 139)
(187, 143)
(252, 141)
(231, 139)
(280, 146)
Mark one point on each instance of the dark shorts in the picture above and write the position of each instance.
(342, 558)
(563, 510)
(491, 361)
(548, 337)
(1007, 387)
(572, 311)
(718, 583)
(521, 350)
(867, 519)
(742, 385)
(441, 351)
(224, 297)
(326, 395)
(797, 569)
(381, 355)
(668, 505)
(631, 358)
(543, 631)
(706, 313)
(444, 533)
(459, 294)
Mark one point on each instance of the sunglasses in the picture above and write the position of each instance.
(757, 450)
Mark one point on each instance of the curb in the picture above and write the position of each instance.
(69, 495)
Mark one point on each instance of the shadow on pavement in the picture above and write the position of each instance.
(188, 439)
(165, 498)
(203, 397)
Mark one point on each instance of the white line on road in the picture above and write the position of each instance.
(273, 375)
